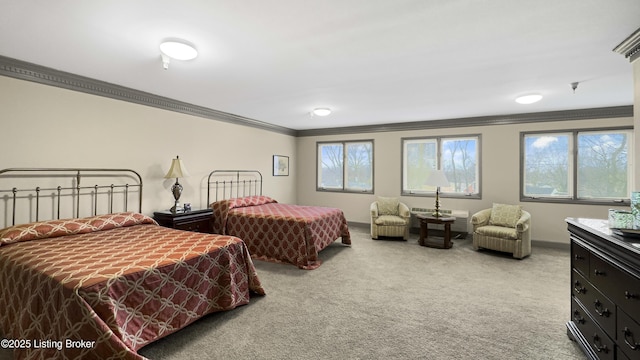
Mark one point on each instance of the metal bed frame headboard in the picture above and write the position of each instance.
(67, 188)
(245, 183)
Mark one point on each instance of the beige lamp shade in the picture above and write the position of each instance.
(437, 178)
(177, 169)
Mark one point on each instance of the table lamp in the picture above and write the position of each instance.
(437, 179)
(177, 171)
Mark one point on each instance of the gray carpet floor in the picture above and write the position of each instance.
(390, 299)
(393, 299)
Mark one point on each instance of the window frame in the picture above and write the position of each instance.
(344, 144)
(439, 140)
(574, 167)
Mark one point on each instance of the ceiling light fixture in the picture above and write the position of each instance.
(321, 111)
(178, 50)
(528, 99)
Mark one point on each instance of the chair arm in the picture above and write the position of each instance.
(481, 218)
(524, 222)
(374, 209)
(403, 211)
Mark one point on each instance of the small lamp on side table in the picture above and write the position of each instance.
(437, 178)
(177, 171)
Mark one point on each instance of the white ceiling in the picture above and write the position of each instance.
(371, 61)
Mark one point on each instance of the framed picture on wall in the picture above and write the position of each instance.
(280, 165)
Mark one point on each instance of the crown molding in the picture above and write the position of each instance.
(43, 75)
(564, 115)
(36, 73)
(630, 47)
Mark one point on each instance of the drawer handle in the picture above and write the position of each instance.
(600, 309)
(598, 344)
(599, 272)
(579, 289)
(629, 335)
(630, 296)
(578, 257)
(577, 317)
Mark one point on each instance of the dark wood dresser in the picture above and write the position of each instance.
(605, 290)
(194, 220)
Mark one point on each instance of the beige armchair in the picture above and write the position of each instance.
(504, 228)
(389, 217)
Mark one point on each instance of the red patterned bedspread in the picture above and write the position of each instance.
(281, 232)
(103, 287)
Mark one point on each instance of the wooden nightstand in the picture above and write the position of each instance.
(194, 220)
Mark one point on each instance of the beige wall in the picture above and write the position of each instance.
(44, 126)
(500, 175)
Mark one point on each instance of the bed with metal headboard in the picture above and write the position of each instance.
(83, 276)
(226, 184)
(276, 232)
(55, 193)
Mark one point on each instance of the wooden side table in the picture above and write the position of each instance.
(424, 230)
(194, 220)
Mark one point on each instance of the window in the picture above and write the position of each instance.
(350, 160)
(578, 165)
(459, 157)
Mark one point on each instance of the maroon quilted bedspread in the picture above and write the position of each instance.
(281, 232)
(104, 287)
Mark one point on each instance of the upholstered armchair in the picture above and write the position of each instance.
(390, 217)
(504, 228)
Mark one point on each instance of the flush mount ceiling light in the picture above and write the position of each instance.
(178, 50)
(528, 99)
(321, 111)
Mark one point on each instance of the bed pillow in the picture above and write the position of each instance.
(505, 215)
(388, 206)
(250, 201)
(56, 228)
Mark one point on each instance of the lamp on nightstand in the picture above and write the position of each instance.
(437, 179)
(177, 171)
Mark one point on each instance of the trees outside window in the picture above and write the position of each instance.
(346, 160)
(578, 165)
(458, 157)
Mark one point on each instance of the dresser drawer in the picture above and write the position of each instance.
(620, 355)
(599, 306)
(593, 334)
(620, 286)
(628, 336)
(579, 258)
(580, 288)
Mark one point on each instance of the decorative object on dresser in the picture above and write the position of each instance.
(605, 290)
(504, 228)
(437, 178)
(424, 230)
(177, 170)
(194, 220)
(389, 217)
